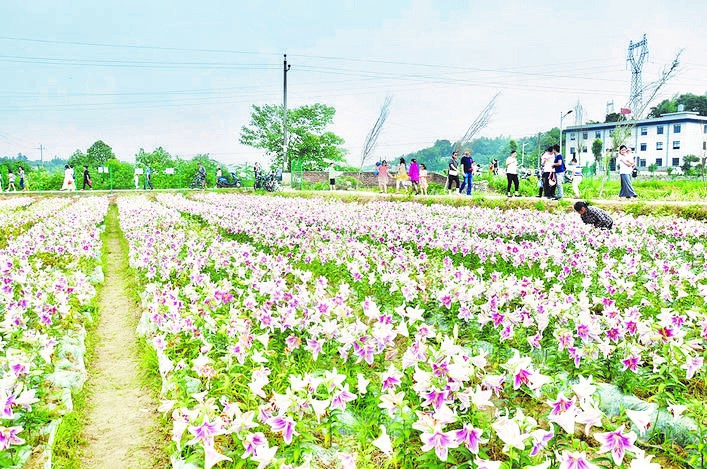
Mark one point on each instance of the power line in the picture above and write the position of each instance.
(131, 63)
(133, 46)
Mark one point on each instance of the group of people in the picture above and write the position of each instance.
(460, 173)
(12, 177)
(554, 170)
(414, 176)
(69, 183)
(147, 182)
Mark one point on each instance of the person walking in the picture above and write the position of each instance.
(401, 175)
(333, 173)
(219, 174)
(414, 175)
(627, 163)
(423, 179)
(593, 216)
(560, 169)
(136, 180)
(257, 173)
(383, 175)
(22, 179)
(548, 164)
(86, 179)
(148, 178)
(577, 176)
(467, 167)
(202, 175)
(11, 181)
(512, 173)
(453, 173)
(68, 183)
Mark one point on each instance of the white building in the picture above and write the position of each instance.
(663, 141)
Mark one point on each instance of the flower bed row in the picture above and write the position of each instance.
(18, 214)
(270, 357)
(44, 297)
(642, 296)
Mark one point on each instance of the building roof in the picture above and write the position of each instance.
(668, 118)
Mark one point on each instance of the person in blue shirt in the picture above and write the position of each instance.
(467, 164)
(559, 172)
(148, 178)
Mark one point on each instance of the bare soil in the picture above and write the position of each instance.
(121, 411)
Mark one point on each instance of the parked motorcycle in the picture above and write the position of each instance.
(225, 182)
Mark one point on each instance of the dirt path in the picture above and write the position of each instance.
(120, 410)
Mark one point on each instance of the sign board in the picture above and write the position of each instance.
(138, 170)
(169, 170)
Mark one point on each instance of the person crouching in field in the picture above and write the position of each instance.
(593, 216)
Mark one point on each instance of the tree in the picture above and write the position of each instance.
(614, 117)
(372, 138)
(652, 168)
(664, 107)
(99, 154)
(157, 160)
(691, 102)
(687, 164)
(597, 146)
(512, 146)
(77, 159)
(308, 141)
(479, 123)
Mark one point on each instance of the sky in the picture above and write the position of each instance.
(183, 75)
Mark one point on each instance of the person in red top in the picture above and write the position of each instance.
(414, 175)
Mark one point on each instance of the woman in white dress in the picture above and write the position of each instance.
(69, 183)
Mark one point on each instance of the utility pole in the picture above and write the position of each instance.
(285, 69)
(41, 163)
(562, 116)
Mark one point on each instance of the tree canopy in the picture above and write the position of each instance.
(692, 102)
(98, 154)
(308, 141)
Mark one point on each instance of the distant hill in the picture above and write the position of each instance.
(436, 157)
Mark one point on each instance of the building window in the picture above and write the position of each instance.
(644, 130)
(572, 151)
(572, 136)
(585, 135)
(644, 146)
(658, 145)
(584, 149)
(659, 161)
(660, 130)
(706, 128)
(642, 162)
(676, 128)
(704, 145)
(597, 134)
(676, 145)
(676, 161)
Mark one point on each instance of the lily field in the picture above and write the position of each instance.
(311, 332)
